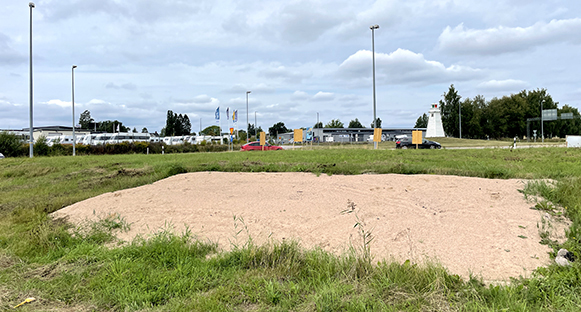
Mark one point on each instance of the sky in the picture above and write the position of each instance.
(300, 59)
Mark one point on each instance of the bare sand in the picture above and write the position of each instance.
(469, 225)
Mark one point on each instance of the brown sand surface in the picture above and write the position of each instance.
(469, 225)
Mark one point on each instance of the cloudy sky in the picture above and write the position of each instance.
(138, 59)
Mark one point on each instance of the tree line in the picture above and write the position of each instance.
(502, 117)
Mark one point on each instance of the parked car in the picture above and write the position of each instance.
(405, 143)
(1, 156)
(255, 146)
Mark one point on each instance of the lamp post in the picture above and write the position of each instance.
(373, 28)
(247, 124)
(73, 91)
(31, 6)
(319, 139)
(542, 132)
(255, 126)
(460, 117)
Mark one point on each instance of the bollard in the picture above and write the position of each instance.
(162, 150)
(148, 151)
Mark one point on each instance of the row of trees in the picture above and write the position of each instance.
(87, 122)
(176, 125)
(502, 117)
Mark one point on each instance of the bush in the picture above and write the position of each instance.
(40, 147)
(11, 144)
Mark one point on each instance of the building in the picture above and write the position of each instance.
(435, 128)
(37, 132)
(348, 135)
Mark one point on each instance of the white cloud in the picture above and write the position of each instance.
(323, 96)
(299, 95)
(498, 40)
(58, 103)
(203, 99)
(503, 85)
(403, 67)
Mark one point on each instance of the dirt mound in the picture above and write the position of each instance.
(469, 225)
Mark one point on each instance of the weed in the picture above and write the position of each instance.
(363, 252)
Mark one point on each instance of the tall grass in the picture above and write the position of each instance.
(84, 268)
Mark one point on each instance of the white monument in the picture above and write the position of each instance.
(435, 128)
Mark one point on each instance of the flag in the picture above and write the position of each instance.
(117, 127)
(217, 113)
(235, 116)
(227, 113)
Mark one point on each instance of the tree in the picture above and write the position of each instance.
(85, 120)
(334, 123)
(111, 126)
(144, 130)
(134, 130)
(449, 108)
(278, 127)
(211, 130)
(170, 123)
(422, 121)
(355, 124)
(186, 125)
(378, 123)
(251, 129)
(318, 125)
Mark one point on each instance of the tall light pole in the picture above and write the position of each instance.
(31, 6)
(73, 91)
(373, 28)
(460, 117)
(317, 124)
(247, 124)
(255, 125)
(542, 132)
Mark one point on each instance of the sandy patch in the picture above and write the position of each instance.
(470, 225)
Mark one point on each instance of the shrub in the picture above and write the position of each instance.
(10, 144)
(40, 147)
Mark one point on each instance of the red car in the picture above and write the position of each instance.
(255, 146)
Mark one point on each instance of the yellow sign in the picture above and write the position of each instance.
(377, 135)
(417, 137)
(298, 135)
(262, 138)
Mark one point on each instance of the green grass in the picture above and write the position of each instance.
(83, 269)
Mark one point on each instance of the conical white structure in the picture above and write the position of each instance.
(435, 128)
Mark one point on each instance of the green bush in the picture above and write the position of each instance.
(40, 147)
(11, 144)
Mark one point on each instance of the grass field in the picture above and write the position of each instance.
(79, 269)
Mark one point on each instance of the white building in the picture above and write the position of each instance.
(435, 128)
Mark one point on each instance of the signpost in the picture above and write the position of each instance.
(298, 136)
(417, 138)
(262, 139)
(377, 135)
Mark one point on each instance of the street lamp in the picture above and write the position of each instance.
(247, 124)
(373, 28)
(255, 125)
(73, 90)
(31, 6)
(542, 132)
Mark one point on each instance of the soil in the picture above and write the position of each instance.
(471, 226)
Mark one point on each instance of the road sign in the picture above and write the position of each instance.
(262, 138)
(566, 115)
(549, 114)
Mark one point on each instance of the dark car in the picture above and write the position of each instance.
(255, 146)
(406, 143)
